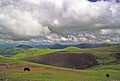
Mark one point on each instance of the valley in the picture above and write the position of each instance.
(67, 64)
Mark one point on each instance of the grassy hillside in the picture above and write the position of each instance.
(91, 75)
(34, 52)
(111, 48)
(14, 61)
(22, 53)
(11, 51)
(49, 73)
(37, 51)
(105, 56)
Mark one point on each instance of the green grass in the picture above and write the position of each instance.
(72, 49)
(20, 55)
(11, 51)
(38, 51)
(23, 53)
(15, 61)
(91, 75)
(106, 67)
(96, 73)
(114, 74)
(34, 52)
(111, 48)
(105, 58)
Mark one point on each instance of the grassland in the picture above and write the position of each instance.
(36, 51)
(92, 75)
(39, 72)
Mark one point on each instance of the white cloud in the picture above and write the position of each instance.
(33, 1)
(107, 41)
(22, 24)
(109, 31)
(25, 19)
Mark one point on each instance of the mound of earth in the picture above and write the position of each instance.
(65, 59)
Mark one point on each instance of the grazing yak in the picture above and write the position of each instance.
(107, 75)
(27, 69)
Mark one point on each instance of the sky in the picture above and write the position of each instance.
(54, 21)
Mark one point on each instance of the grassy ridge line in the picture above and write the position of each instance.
(103, 58)
(34, 52)
(112, 48)
(93, 75)
(11, 51)
(9, 60)
(38, 51)
(106, 67)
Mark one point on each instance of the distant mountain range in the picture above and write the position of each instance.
(24, 46)
(7, 45)
(60, 46)
(52, 46)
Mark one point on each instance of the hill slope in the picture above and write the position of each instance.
(66, 59)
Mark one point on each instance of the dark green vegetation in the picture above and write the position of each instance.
(107, 56)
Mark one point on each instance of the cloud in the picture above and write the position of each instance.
(21, 23)
(84, 21)
(32, 1)
(109, 31)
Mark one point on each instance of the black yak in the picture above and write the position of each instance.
(26, 69)
(107, 75)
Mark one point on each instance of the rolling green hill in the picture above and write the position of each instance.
(110, 48)
(5, 60)
(50, 73)
(21, 52)
(105, 55)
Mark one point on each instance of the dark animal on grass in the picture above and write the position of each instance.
(107, 75)
(26, 69)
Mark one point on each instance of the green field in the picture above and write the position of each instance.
(92, 75)
(105, 56)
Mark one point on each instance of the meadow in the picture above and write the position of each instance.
(11, 68)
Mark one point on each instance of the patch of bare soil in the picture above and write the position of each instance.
(66, 59)
(18, 67)
(34, 68)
